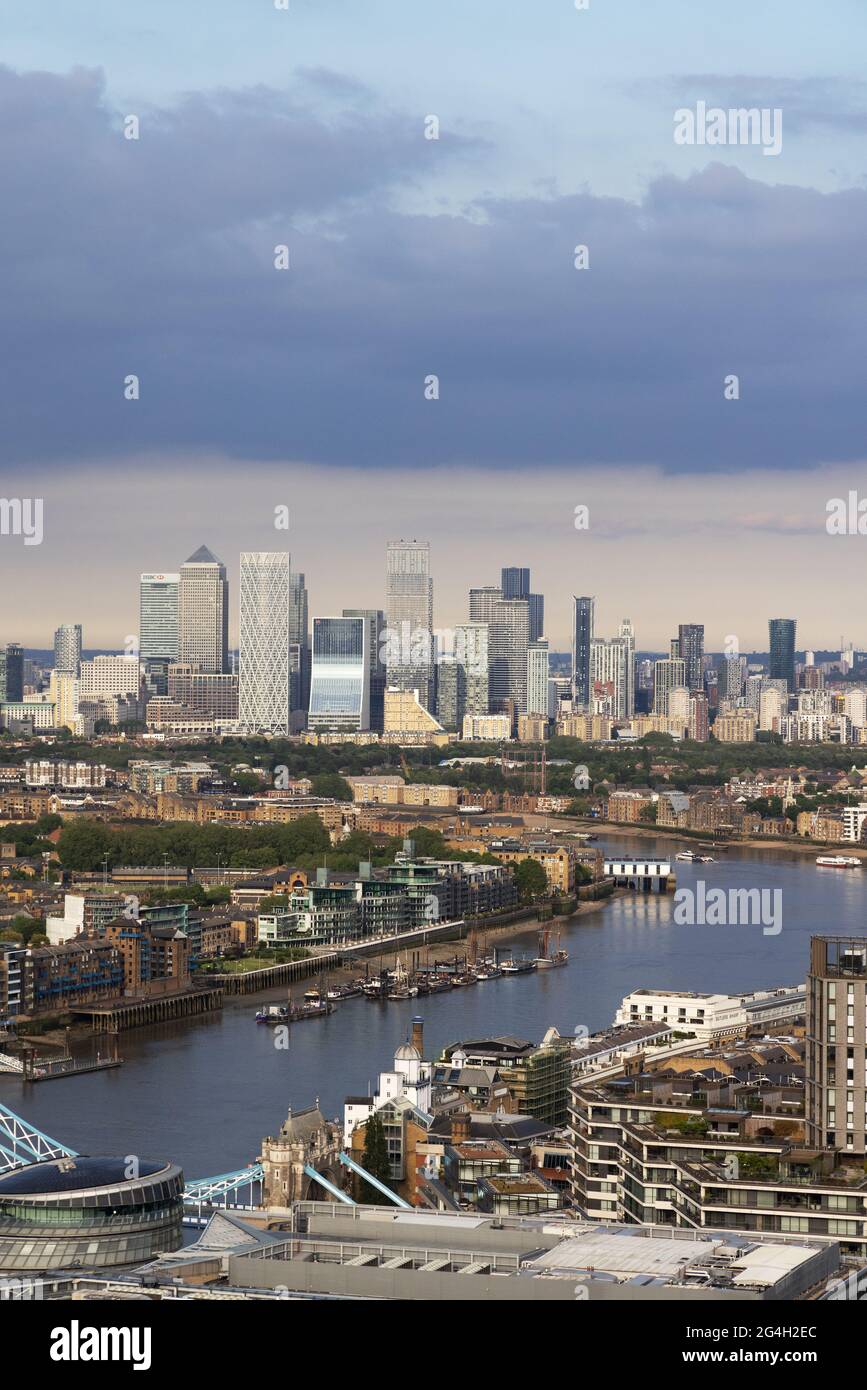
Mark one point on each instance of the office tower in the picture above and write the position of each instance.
(375, 621)
(203, 612)
(627, 635)
(538, 665)
(340, 675)
(472, 652)
(836, 1095)
(204, 694)
(515, 583)
(67, 647)
(735, 676)
(107, 676)
(582, 636)
(158, 617)
(611, 667)
(409, 618)
(12, 673)
(667, 673)
(508, 642)
(264, 615)
(299, 652)
(674, 649)
(690, 648)
(781, 633)
(482, 603)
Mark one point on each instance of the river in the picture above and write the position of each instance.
(205, 1092)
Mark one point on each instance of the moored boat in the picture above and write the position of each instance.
(838, 861)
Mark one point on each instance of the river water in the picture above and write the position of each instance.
(205, 1092)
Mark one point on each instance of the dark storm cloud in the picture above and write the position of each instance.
(156, 258)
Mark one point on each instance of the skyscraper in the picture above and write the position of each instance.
(203, 612)
(782, 650)
(409, 618)
(375, 620)
(482, 603)
(515, 583)
(537, 678)
(265, 613)
(158, 617)
(12, 672)
(836, 1081)
(626, 634)
(611, 664)
(582, 636)
(667, 675)
(340, 675)
(472, 652)
(299, 652)
(67, 648)
(690, 648)
(509, 640)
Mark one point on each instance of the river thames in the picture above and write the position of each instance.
(204, 1093)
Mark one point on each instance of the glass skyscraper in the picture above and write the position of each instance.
(158, 617)
(340, 675)
(782, 650)
(690, 648)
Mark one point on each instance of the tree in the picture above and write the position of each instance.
(332, 786)
(531, 879)
(375, 1160)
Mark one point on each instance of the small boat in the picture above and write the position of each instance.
(273, 1013)
(518, 965)
(687, 856)
(706, 859)
(838, 861)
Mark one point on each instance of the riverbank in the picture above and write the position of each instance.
(771, 844)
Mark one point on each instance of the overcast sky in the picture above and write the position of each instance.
(411, 257)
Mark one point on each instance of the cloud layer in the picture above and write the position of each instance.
(155, 257)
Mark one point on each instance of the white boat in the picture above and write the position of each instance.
(687, 856)
(838, 861)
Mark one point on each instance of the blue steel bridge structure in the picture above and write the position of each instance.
(21, 1143)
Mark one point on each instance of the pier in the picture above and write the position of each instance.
(116, 1017)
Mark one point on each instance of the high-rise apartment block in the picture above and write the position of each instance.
(67, 647)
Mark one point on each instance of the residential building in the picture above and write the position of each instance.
(67, 648)
(582, 637)
(781, 633)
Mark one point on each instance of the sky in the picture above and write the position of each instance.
(411, 258)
